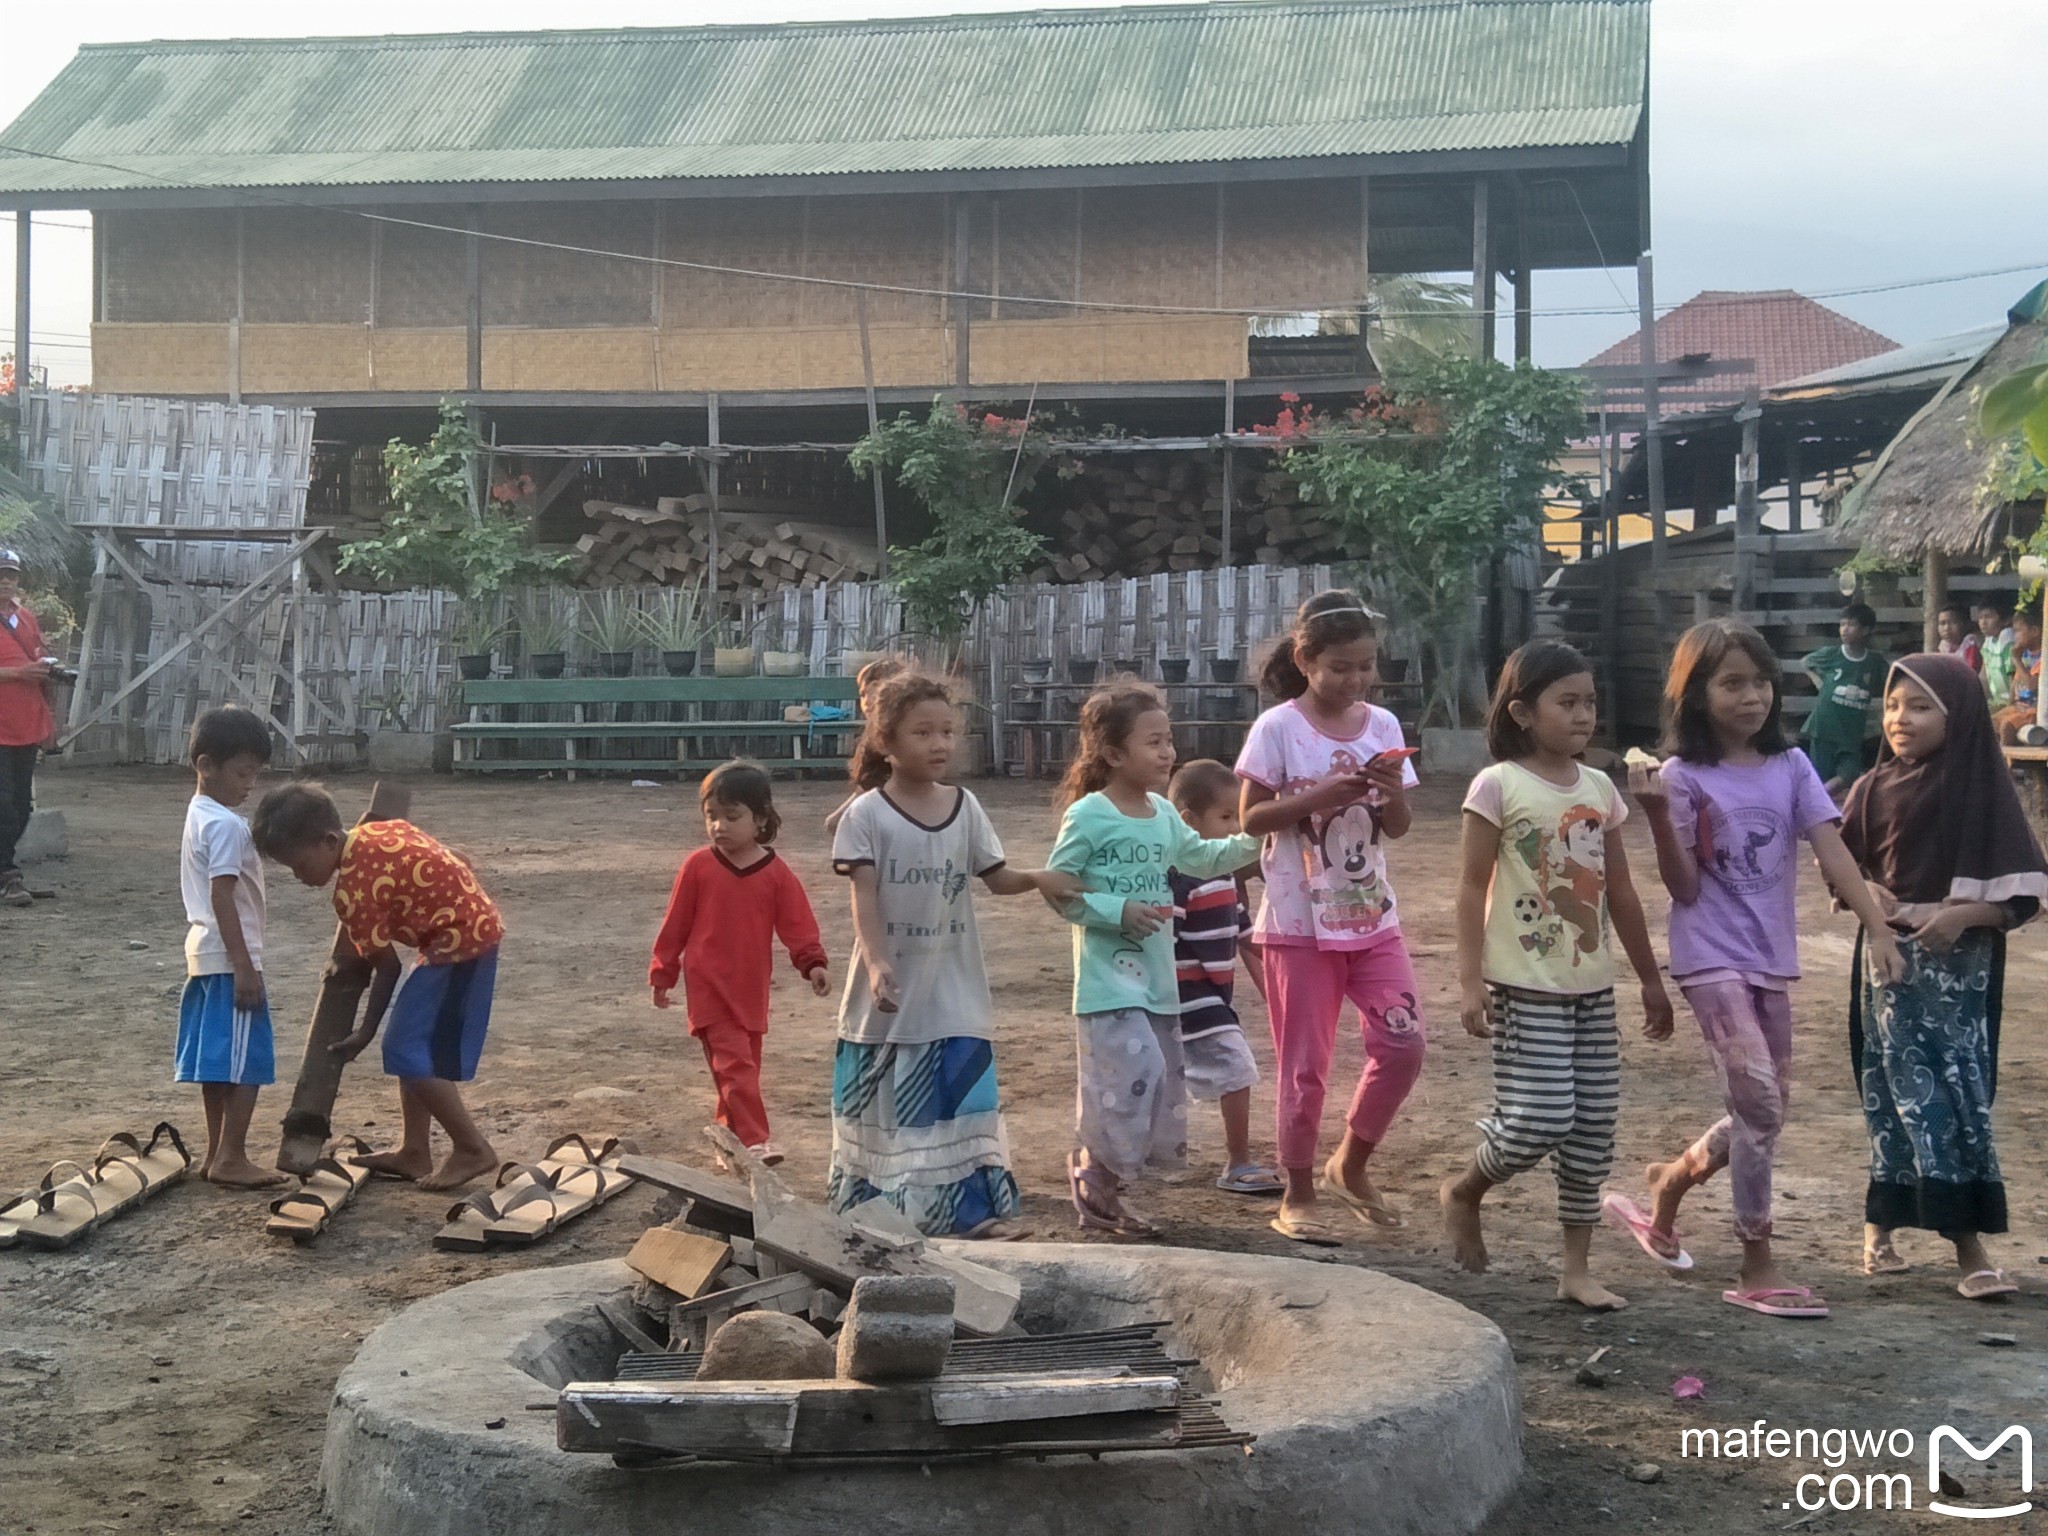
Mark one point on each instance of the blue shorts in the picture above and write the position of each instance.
(220, 1043)
(438, 1019)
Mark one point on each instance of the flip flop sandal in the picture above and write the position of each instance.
(1088, 1187)
(602, 1153)
(1250, 1179)
(477, 1222)
(1631, 1218)
(2001, 1286)
(303, 1214)
(58, 1211)
(1801, 1302)
(995, 1230)
(1305, 1229)
(1884, 1260)
(1373, 1212)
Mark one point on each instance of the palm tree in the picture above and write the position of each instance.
(1413, 320)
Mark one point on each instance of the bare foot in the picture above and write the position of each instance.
(459, 1167)
(1589, 1293)
(1764, 1277)
(398, 1164)
(240, 1173)
(1461, 1224)
(1668, 1183)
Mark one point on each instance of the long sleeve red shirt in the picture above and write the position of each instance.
(719, 934)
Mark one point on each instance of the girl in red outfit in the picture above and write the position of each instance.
(731, 902)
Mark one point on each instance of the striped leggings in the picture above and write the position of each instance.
(1556, 1092)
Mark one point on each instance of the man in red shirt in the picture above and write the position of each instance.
(26, 724)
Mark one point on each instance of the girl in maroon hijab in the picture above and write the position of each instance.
(1938, 832)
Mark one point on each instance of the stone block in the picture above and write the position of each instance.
(896, 1328)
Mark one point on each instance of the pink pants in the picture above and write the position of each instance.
(1748, 1031)
(1305, 988)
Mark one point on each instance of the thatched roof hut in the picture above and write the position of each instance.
(1938, 488)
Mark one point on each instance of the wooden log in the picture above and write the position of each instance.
(307, 1126)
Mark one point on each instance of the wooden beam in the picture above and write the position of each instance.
(682, 1179)
(1748, 511)
(1230, 456)
(1525, 310)
(1482, 268)
(1795, 485)
(475, 263)
(963, 262)
(24, 227)
(711, 490)
(1933, 598)
(867, 374)
(342, 985)
(1653, 443)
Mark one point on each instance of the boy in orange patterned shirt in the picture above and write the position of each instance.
(394, 885)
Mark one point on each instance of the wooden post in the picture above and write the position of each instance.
(23, 229)
(306, 1124)
(867, 373)
(1795, 500)
(963, 260)
(476, 308)
(1230, 459)
(1933, 598)
(1748, 513)
(1482, 269)
(711, 490)
(1653, 445)
(1365, 361)
(235, 321)
(1525, 289)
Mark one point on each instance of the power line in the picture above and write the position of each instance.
(10, 216)
(911, 291)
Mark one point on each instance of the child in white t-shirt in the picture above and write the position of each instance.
(224, 1040)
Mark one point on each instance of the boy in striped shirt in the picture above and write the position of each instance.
(1210, 931)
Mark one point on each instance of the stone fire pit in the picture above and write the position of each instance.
(1378, 1407)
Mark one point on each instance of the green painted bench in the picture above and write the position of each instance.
(621, 724)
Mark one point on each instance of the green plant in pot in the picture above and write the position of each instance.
(675, 626)
(544, 630)
(866, 645)
(732, 649)
(480, 627)
(611, 627)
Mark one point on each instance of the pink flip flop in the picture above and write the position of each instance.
(1624, 1213)
(1803, 1304)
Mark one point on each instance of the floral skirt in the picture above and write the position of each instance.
(1926, 1057)
(920, 1126)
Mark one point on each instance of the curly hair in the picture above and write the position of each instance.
(898, 695)
(1107, 719)
(1335, 617)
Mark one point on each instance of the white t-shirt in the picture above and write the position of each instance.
(1325, 877)
(217, 843)
(922, 875)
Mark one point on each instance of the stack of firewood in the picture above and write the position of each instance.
(1140, 514)
(760, 546)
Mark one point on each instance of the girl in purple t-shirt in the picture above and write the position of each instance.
(1727, 812)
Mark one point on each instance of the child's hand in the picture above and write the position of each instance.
(1058, 887)
(661, 997)
(1657, 1019)
(350, 1048)
(882, 983)
(1940, 932)
(1647, 785)
(248, 988)
(1882, 951)
(1142, 921)
(1475, 1012)
(820, 980)
(1887, 903)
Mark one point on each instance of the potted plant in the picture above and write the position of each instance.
(479, 627)
(784, 663)
(866, 646)
(544, 634)
(1223, 669)
(675, 626)
(1173, 669)
(732, 651)
(611, 625)
(1081, 669)
(1037, 670)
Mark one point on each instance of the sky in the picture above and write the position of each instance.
(1819, 145)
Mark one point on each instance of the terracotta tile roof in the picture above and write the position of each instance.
(1787, 335)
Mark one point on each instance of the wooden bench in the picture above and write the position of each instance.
(623, 724)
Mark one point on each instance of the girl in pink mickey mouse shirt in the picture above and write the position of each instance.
(1325, 784)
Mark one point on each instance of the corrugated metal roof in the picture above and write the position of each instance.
(1136, 86)
(1907, 367)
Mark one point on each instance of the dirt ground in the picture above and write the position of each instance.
(172, 1372)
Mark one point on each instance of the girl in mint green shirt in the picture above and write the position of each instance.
(1121, 837)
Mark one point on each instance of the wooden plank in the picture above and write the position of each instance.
(744, 1420)
(836, 1253)
(661, 690)
(755, 1293)
(684, 1262)
(680, 1178)
(1010, 1400)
